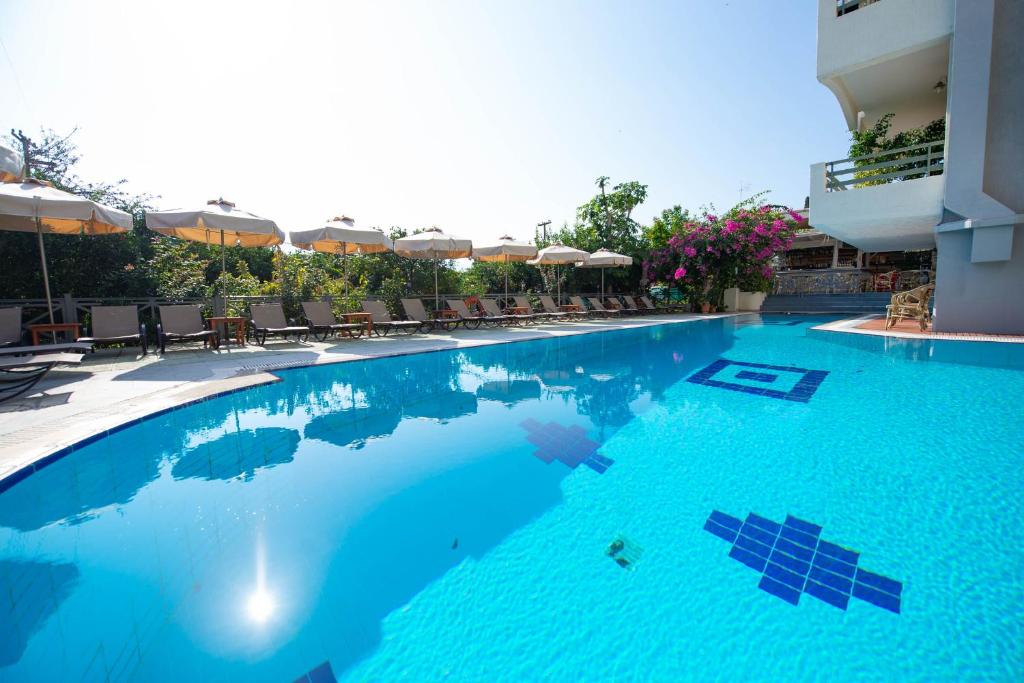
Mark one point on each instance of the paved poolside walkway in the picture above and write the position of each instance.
(115, 386)
(909, 329)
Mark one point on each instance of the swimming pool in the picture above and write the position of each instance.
(593, 507)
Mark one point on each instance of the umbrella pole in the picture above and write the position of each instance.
(506, 280)
(437, 305)
(223, 255)
(558, 285)
(602, 282)
(42, 260)
(344, 260)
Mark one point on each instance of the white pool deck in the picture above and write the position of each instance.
(116, 386)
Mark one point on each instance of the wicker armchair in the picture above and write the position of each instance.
(912, 304)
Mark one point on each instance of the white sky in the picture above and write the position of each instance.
(480, 117)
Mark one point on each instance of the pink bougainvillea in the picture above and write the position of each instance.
(736, 250)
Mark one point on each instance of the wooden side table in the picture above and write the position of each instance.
(518, 310)
(226, 320)
(360, 317)
(75, 329)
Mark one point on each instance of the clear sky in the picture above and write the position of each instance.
(482, 117)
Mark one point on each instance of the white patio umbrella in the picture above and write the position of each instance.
(433, 244)
(36, 206)
(506, 250)
(603, 258)
(12, 166)
(221, 217)
(556, 255)
(341, 236)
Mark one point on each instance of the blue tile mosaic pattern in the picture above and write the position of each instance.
(568, 445)
(793, 559)
(321, 674)
(807, 381)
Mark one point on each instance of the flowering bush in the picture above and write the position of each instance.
(736, 250)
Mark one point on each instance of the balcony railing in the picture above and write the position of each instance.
(847, 6)
(890, 166)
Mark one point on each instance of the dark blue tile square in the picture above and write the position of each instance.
(801, 392)
(758, 534)
(799, 537)
(766, 524)
(880, 582)
(753, 546)
(826, 594)
(748, 558)
(322, 674)
(876, 597)
(790, 563)
(783, 575)
(801, 525)
(839, 583)
(726, 520)
(798, 551)
(779, 590)
(720, 531)
(756, 376)
(838, 552)
(835, 566)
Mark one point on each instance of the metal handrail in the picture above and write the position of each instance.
(930, 162)
(847, 6)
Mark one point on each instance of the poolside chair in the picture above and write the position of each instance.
(631, 305)
(384, 323)
(491, 307)
(473, 319)
(10, 326)
(524, 302)
(598, 307)
(549, 305)
(268, 319)
(116, 325)
(651, 307)
(184, 324)
(615, 303)
(18, 374)
(912, 304)
(886, 282)
(414, 311)
(322, 321)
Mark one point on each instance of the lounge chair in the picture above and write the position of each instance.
(491, 307)
(18, 374)
(184, 324)
(614, 303)
(652, 308)
(912, 304)
(472, 320)
(599, 308)
(383, 322)
(631, 305)
(322, 321)
(524, 302)
(40, 349)
(116, 325)
(415, 311)
(549, 306)
(10, 326)
(268, 319)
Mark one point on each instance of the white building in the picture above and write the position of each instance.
(923, 60)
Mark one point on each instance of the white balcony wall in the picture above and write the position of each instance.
(891, 217)
(886, 56)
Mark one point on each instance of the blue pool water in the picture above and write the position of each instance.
(537, 511)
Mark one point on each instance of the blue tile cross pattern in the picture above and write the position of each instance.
(793, 559)
(804, 382)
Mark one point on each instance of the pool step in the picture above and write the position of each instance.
(867, 302)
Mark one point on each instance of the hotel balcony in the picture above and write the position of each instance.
(885, 201)
(880, 56)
